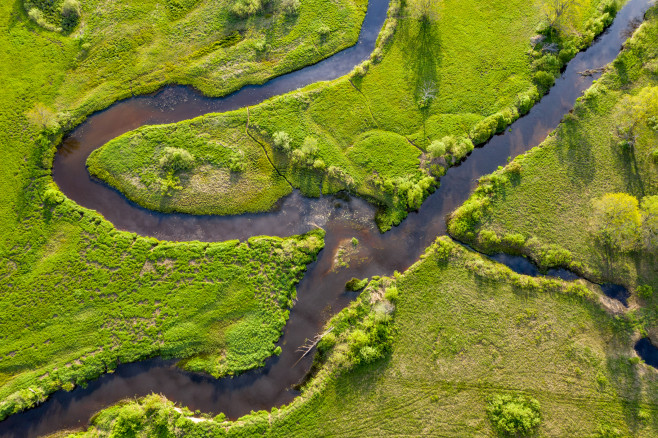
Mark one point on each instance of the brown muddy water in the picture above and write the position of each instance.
(322, 291)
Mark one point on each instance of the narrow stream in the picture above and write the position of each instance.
(322, 291)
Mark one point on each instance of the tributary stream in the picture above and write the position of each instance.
(322, 292)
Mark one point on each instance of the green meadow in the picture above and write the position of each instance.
(435, 76)
(457, 345)
(564, 202)
(452, 333)
(79, 296)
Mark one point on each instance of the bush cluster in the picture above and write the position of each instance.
(363, 332)
(54, 15)
(514, 416)
(245, 8)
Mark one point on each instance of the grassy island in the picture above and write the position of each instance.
(437, 84)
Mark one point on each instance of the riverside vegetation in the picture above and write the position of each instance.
(586, 198)
(59, 259)
(386, 132)
(458, 345)
(79, 296)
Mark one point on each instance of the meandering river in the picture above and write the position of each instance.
(322, 291)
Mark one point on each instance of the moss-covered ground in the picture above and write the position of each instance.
(459, 69)
(466, 329)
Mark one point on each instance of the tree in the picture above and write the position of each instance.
(424, 10)
(41, 116)
(634, 111)
(514, 415)
(557, 13)
(426, 93)
(616, 221)
(282, 141)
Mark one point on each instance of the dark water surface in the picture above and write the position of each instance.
(322, 291)
(647, 351)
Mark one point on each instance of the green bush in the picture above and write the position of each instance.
(645, 291)
(514, 415)
(282, 141)
(176, 160)
(245, 8)
(355, 284)
(323, 30)
(436, 149)
(544, 79)
(305, 156)
(290, 7)
(484, 129)
(70, 14)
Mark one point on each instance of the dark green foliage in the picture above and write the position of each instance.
(356, 284)
(514, 416)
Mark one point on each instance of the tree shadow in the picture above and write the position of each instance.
(422, 52)
(576, 153)
(423, 57)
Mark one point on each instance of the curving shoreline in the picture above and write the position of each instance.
(322, 290)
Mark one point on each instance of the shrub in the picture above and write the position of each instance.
(355, 284)
(645, 291)
(305, 156)
(488, 240)
(237, 164)
(544, 79)
(282, 141)
(245, 8)
(176, 160)
(70, 14)
(323, 30)
(261, 46)
(37, 16)
(484, 129)
(436, 149)
(514, 415)
(391, 294)
(290, 7)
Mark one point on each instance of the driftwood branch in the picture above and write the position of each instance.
(311, 343)
(591, 71)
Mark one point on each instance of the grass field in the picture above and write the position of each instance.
(466, 330)
(125, 48)
(77, 295)
(230, 173)
(544, 203)
(442, 74)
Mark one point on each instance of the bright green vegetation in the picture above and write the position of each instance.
(77, 295)
(456, 74)
(225, 172)
(586, 198)
(92, 296)
(454, 343)
(514, 416)
(127, 47)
